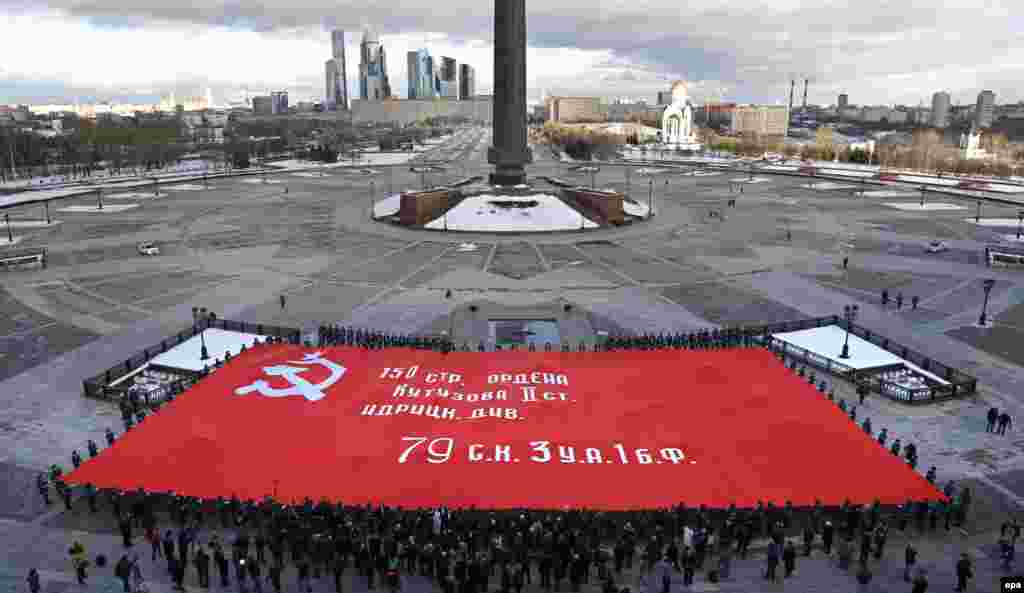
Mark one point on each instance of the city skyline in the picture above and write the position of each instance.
(626, 50)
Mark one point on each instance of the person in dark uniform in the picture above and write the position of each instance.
(883, 436)
(93, 449)
(885, 297)
(44, 488)
(1004, 423)
(76, 459)
(827, 533)
(65, 492)
(964, 572)
(930, 476)
(993, 417)
(899, 301)
(914, 300)
(110, 437)
(91, 494)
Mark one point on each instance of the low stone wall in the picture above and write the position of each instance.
(601, 207)
(419, 208)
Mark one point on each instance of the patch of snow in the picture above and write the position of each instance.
(650, 171)
(389, 206)
(997, 222)
(933, 180)
(479, 213)
(261, 181)
(5, 242)
(635, 208)
(889, 193)
(1013, 238)
(522, 186)
(466, 247)
(30, 224)
(916, 206)
(828, 185)
(1006, 189)
(309, 174)
(750, 180)
(96, 210)
(134, 196)
(186, 187)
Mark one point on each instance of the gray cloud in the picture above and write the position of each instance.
(753, 49)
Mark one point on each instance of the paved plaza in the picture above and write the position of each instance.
(238, 246)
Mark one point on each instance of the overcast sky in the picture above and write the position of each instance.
(878, 51)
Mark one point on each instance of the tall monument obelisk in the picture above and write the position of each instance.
(509, 153)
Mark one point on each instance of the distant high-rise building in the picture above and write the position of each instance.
(336, 78)
(373, 69)
(984, 110)
(844, 101)
(449, 78)
(467, 82)
(420, 78)
(279, 102)
(940, 109)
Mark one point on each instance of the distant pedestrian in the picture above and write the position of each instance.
(885, 297)
(993, 417)
(964, 572)
(33, 581)
(772, 560)
(913, 302)
(910, 557)
(789, 559)
(282, 302)
(899, 301)
(920, 582)
(846, 262)
(1004, 422)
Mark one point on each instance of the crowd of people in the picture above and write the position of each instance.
(334, 335)
(254, 545)
(461, 550)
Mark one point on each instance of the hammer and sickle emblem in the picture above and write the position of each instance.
(299, 386)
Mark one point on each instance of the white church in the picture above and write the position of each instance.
(677, 121)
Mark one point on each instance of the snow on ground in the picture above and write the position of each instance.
(827, 185)
(932, 180)
(888, 193)
(134, 196)
(650, 171)
(260, 180)
(997, 222)
(185, 187)
(916, 206)
(479, 213)
(1007, 189)
(780, 167)
(31, 224)
(96, 209)
(848, 173)
(635, 208)
(310, 174)
(1013, 238)
(704, 173)
(388, 206)
(4, 242)
(750, 179)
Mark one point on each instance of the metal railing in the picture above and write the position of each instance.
(100, 384)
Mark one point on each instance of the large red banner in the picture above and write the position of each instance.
(608, 430)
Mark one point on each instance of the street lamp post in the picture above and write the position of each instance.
(650, 197)
(977, 215)
(987, 285)
(204, 354)
(922, 196)
(10, 235)
(1020, 220)
(373, 194)
(99, 199)
(849, 314)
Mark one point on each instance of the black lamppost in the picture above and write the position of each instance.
(650, 198)
(849, 314)
(1020, 220)
(204, 354)
(10, 235)
(977, 215)
(987, 285)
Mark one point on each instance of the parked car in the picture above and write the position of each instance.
(937, 246)
(148, 248)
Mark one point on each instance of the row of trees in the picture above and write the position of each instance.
(578, 142)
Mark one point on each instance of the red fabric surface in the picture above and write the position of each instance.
(749, 429)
